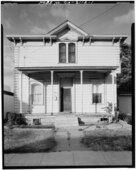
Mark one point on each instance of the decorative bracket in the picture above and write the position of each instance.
(14, 41)
(113, 41)
(43, 40)
(21, 41)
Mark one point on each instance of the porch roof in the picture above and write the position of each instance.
(69, 68)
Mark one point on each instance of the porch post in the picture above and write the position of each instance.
(113, 110)
(81, 82)
(29, 94)
(52, 90)
(21, 84)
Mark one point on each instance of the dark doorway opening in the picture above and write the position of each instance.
(65, 105)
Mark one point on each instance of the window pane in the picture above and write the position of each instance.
(36, 94)
(71, 53)
(62, 53)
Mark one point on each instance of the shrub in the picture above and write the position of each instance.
(126, 118)
(10, 117)
(15, 119)
(108, 108)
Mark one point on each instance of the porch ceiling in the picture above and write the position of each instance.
(102, 69)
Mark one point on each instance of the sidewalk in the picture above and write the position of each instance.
(72, 158)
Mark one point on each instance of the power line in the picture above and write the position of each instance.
(90, 20)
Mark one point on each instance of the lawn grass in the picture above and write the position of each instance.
(108, 140)
(28, 140)
(104, 143)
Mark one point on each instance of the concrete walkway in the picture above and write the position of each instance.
(72, 158)
(68, 139)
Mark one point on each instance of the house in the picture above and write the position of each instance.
(65, 71)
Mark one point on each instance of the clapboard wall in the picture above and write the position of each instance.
(39, 55)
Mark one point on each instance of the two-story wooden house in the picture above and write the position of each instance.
(65, 71)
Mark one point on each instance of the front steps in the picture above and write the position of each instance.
(65, 120)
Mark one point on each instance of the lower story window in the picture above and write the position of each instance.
(97, 98)
(37, 94)
(98, 92)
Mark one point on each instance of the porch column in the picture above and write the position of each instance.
(113, 91)
(52, 90)
(29, 94)
(21, 84)
(81, 82)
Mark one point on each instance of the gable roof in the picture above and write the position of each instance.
(64, 25)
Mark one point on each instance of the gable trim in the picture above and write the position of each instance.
(67, 22)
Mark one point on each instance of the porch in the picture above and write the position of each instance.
(67, 91)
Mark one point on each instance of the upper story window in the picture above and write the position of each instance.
(71, 53)
(67, 53)
(62, 53)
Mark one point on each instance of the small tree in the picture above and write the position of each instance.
(124, 79)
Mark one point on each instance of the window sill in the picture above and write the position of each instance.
(68, 63)
(98, 104)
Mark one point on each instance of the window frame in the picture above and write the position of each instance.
(42, 93)
(67, 52)
(71, 52)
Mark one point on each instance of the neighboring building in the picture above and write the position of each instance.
(8, 102)
(125, 103)
(65, 70)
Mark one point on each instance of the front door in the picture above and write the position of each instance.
(66, 99)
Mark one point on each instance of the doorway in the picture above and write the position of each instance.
(66, 105)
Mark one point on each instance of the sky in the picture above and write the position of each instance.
(41, 18)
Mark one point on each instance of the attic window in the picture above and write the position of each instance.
(67, 52)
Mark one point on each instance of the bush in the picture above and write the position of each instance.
(126, 118)
(15, 119)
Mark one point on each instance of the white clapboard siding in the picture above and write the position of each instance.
(87, 94)
(16, 55)
(87, 55)
(56, 98)
(78, 96)
(16, 91)
(109, 90)
(98, 55)
(25, 93)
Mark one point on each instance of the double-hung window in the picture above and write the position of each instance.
(67, 53)
(37, 93)
(98, 93)
(62, 53)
